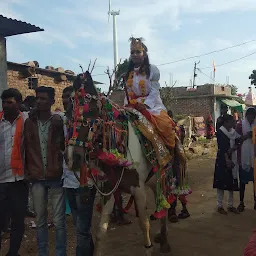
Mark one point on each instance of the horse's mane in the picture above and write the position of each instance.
(85, 79)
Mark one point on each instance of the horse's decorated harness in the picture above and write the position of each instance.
(106, 141)
(106, 137)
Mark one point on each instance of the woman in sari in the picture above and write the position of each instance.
(142, 89)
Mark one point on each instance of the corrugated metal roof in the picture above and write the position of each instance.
(11, 27)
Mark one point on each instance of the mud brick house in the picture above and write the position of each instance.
(27, 77)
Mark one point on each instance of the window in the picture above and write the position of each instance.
(32, 83)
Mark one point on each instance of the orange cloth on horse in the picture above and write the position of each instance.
(16, 156)
(165, 127)
(145, 90)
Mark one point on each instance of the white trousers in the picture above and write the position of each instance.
(220, 196)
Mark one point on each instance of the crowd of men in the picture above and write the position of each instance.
(32, 143)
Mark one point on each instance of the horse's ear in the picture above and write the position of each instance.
(90, 87)
(77, 82)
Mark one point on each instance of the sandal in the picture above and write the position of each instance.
(184, 214)
(172, 216)
(241, 207)
(222, 211)
(233, 209)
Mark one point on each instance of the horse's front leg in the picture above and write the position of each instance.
(140, 198)
(164, 244)
(103, 225)
(162, 236)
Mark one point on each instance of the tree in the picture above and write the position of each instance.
(252, 77)
(234, 89)
(122, 69)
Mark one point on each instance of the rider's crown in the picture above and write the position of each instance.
(137, 45)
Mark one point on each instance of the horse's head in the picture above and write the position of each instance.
(83, 121)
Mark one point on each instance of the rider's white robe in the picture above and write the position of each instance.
(153, 99)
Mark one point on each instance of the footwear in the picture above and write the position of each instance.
(152, 217)
(184, 214)
(241, 207)
(172, 216)
(233, 209)
(30, 214)
(222, 211)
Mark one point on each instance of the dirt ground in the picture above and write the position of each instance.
(205, 233)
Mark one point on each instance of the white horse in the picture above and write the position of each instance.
(131, 181)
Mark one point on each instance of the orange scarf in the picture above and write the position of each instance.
(16, 157)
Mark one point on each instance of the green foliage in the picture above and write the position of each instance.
(234, 89)
(252, 77)
(121, 70)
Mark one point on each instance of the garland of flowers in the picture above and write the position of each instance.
(114, 132)
(142, 85)
(81, 106)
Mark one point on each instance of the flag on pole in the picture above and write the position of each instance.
(214, 68)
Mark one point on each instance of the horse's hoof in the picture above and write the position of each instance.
(173, 218)
(165, 248)
(150, 251)
(158, 238)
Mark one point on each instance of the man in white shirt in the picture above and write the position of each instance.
(13, 189)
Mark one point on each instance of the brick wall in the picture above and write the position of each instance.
(190, 106)
(194, 106)
(45, 77)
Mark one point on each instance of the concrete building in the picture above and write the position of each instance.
(200, 101)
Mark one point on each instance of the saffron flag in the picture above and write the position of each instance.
(214, 67)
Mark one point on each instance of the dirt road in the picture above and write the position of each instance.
(205, 233)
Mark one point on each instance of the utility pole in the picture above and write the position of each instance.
(227, 80)
(171, 79)
(195, 74)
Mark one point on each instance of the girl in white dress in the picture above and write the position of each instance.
(142, 83)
